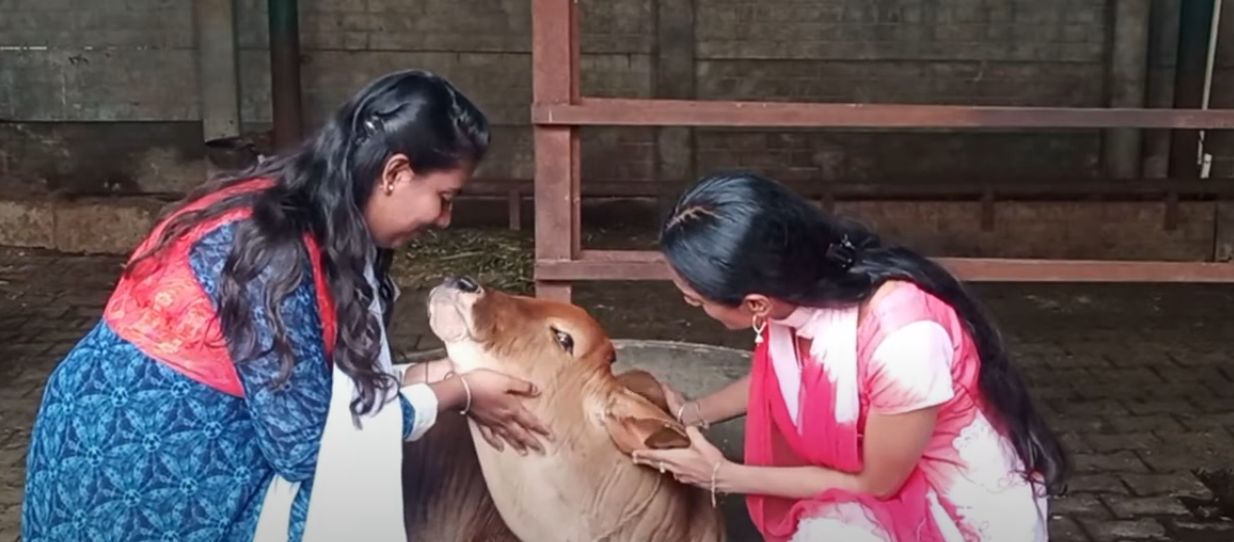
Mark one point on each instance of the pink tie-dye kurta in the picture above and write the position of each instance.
(918, 355)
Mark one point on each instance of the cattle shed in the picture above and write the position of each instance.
(1073, 159)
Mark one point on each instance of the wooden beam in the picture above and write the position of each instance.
(555, 81)
(648, 112)
(648, 265)
(891, 189)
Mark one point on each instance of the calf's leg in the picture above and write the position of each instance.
(444, 495)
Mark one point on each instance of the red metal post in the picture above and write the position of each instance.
(555, 67)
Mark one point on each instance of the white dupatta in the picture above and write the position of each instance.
(357, 487)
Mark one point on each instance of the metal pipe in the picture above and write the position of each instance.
(1194, 27)
(1214, 32)
(218, 74)
(285, 71)
(1128, 84)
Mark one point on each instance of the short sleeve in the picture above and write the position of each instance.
(911, 369)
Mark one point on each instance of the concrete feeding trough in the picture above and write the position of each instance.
(693, 369)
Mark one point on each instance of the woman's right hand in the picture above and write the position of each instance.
(676, 401)
(497, 408)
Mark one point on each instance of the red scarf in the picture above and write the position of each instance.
(773, 440)
(164, 311)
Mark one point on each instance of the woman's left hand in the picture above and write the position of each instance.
(694, 465)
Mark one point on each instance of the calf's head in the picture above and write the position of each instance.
(519, 335)
(530, 337)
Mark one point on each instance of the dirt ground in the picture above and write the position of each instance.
(1139, 379)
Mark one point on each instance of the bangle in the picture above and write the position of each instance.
(681, 410)
(467, 389)
(714, 471)
(698, 411)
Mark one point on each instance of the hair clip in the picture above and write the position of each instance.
(842, 253)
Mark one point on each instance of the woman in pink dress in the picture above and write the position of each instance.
(882, 404)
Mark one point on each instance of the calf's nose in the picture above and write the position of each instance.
(466, 284)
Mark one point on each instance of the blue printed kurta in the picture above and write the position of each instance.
(126, 449)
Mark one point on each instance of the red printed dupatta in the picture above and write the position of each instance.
(164, 311)
(772, 439)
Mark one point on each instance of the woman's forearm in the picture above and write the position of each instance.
(729, 402)
(451, 392)
(449, 389)
(785, 482)
(427, 372)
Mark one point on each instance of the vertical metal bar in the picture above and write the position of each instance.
(554, 54)
(284, 21)
(987, 210)
(514, 209)
(1127, 83)
(576, 145)
(218, 74)
(1194, 27)
(673, 76)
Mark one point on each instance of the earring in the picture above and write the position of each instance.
(759, 324)
(389, 189)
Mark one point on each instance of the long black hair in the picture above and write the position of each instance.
(320, 188)
(735, 233)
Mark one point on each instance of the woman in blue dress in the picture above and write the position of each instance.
(242, 365)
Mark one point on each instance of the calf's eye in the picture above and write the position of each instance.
(564, 339)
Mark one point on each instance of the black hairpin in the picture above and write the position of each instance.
(842, 253)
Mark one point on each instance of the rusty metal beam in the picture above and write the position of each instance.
(649, 112)
(648, 265)
(1006, 189)
(555, 81)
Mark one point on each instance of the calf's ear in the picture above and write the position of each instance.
(634, 424)
(645, 385)
(631, 434)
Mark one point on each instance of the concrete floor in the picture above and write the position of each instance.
(1139, 379)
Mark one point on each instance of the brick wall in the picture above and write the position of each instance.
(100, 97)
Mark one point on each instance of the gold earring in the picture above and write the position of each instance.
(759, 324)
